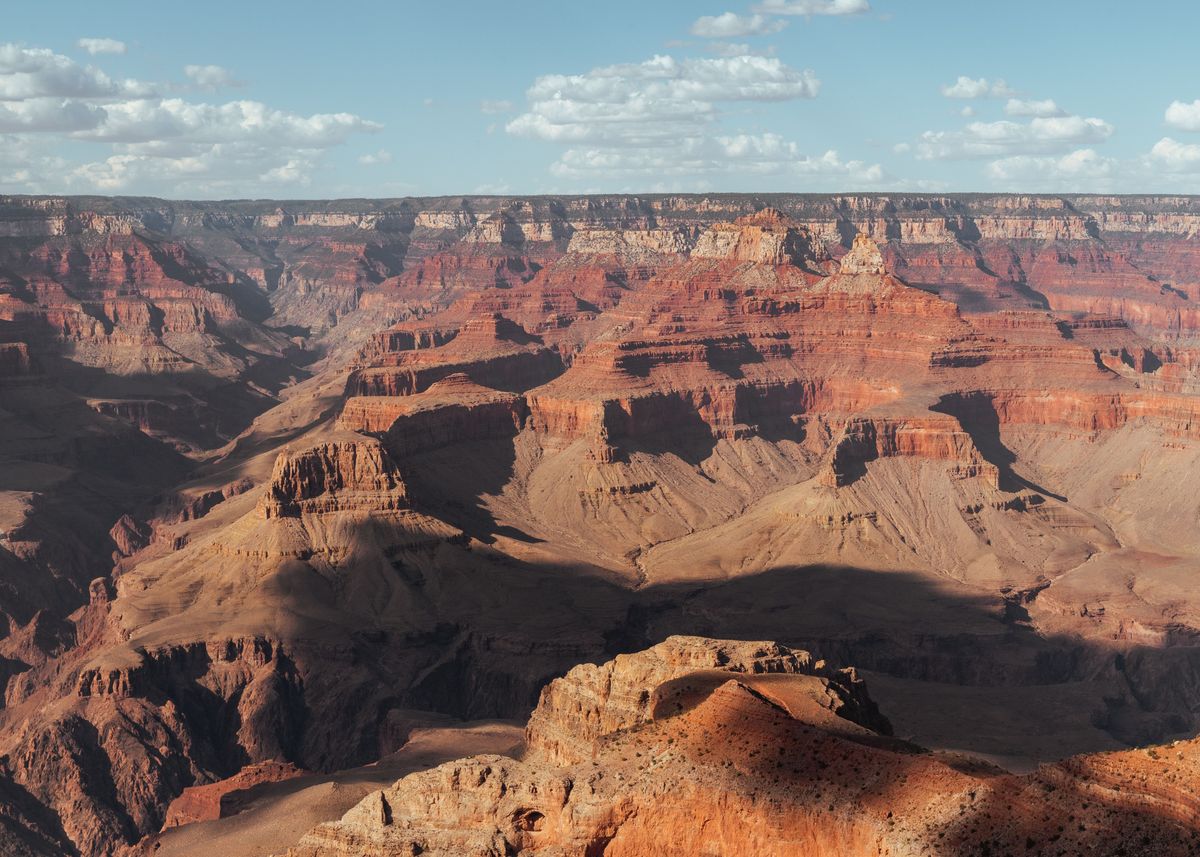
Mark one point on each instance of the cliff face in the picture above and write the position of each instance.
(347, 476)
(275, 474)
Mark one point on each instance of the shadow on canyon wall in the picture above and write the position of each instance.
(966, 651)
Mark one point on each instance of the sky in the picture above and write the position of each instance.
(263, 99)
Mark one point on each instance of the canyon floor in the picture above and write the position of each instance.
(308, 507)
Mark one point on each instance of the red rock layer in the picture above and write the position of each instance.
(219, 799)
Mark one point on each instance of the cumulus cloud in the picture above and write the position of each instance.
(663, 118)
(737, 49)
(1172, 156)
(659, 100)
(24, 164)
(211, 77)
(968, 87)
(493, 107)
(731, 26)
(152, 144)
(157, 120)
(1080, 169)
(1052, 140)
(49, 114)
(720, 157)
(1184, 116)
(1022, 107)
(230, 168)
(382, 156)
(41, 73)
(813, 7)
(741, 154)
(1041, 135)
(771, 153)
(102, 46)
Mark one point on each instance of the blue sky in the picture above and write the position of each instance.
(298, 99)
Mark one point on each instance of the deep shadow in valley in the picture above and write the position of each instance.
(941, 652)
(944, 654)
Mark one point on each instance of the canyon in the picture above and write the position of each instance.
(310, 508)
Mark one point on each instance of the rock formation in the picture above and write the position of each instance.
(276, 475)
(864, 257)
(724, 754)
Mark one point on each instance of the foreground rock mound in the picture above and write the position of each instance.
(704, 746)
(576, 711)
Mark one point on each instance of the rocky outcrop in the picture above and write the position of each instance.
(491, 351)
(863, 440)
(592, 701)
(637, 244)
(739, 763)
(766, 238)
(453, 410)
(864, 257)
(337, 476)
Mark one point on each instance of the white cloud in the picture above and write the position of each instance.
(737, 49)
(151, 144)
(295, 171)
(49, 115)
(159, 120)
(1078, 170)
(1175, 157)
(24, 164)
(41, 73)
(770, 153)
(211, 77)
(967, 111)
(1184, 116)
(493, 107)
(741, 154)
(227, 168)
(731, 26)
(813, 7)
(1041, 135)
(660, 99)
(382, 156)
(102, 46)
(661, 120)
(1031, 107)
(968, 87)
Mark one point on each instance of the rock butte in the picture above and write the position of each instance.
(278, 475)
